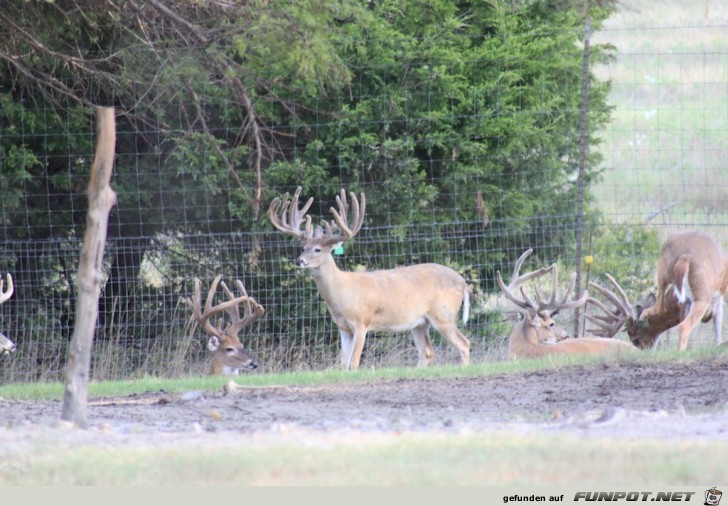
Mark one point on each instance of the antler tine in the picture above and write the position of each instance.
(539, 304)
(253, 310)
(6, 294)
(517, 281)
(611, 322)
(195, 304)
(539, 301)
(607, 324)
(341, 216)
(230, 306)
(290, 218)
(564, 303)
(554, 305)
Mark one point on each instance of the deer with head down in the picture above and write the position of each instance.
(692, 277)
(413, 298)
(538, 334)
(6, 345)
(229, 357)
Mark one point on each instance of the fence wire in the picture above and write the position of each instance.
(664, 170)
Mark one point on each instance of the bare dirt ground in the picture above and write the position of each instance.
(674, 401)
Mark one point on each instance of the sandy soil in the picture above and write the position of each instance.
(665, 401)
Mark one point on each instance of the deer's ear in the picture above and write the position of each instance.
(514, 316)
(646, 304)
(213, 343)
(650, 301)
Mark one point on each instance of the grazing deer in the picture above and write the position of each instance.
(6, 345)
(393, 300)
(228, 355)
(537, 334)
(692, 277)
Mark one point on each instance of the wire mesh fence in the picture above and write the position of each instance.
(664, 170)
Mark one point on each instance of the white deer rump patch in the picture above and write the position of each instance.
(684, 295)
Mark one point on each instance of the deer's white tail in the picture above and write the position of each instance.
(466, 305)
(681, 286)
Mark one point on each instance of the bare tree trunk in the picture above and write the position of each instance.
(101, 198)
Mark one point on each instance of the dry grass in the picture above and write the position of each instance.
(367, 459)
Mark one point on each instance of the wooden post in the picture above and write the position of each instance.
(583, 132)
(101, 198)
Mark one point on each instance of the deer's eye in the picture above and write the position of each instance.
(552, 325)
(230, 350)
(317, 249)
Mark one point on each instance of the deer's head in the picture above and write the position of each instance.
(319, 242)
(229, 356)
(538, 326)
(641, 321)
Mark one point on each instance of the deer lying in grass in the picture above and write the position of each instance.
(6, 345)
(692, 277)
(537, 334)
(410, 298)
(228, 355)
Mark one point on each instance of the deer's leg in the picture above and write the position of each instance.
(718, 319)
(347, 345)
(360, 335)
(6, 345)
(425, 352)
(452, 333)
(697, 310)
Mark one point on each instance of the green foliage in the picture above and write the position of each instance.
(613, 246)
(42, 193)
(421, 104)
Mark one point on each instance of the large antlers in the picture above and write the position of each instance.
(290, 218)
(539, 304)
(253, 310)
(340, 216)
(286, 216)
(613, 318)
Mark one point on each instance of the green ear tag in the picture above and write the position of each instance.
(339, 250)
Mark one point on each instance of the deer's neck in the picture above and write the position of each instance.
(328, 278)
(523, 340)
(662, 322)
(665, 314)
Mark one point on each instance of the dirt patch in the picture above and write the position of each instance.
(665, 401)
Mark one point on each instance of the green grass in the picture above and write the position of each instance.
(41, 391)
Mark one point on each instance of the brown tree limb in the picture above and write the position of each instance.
(101, 198)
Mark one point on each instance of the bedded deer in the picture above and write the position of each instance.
(412, 298)
(692, 277)
(538, 334)
(6, 345)
(229, 357)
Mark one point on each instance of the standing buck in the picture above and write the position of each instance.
(537, 334)
(6, 345)
(228, 355)
(692, 276)
(393, 300)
